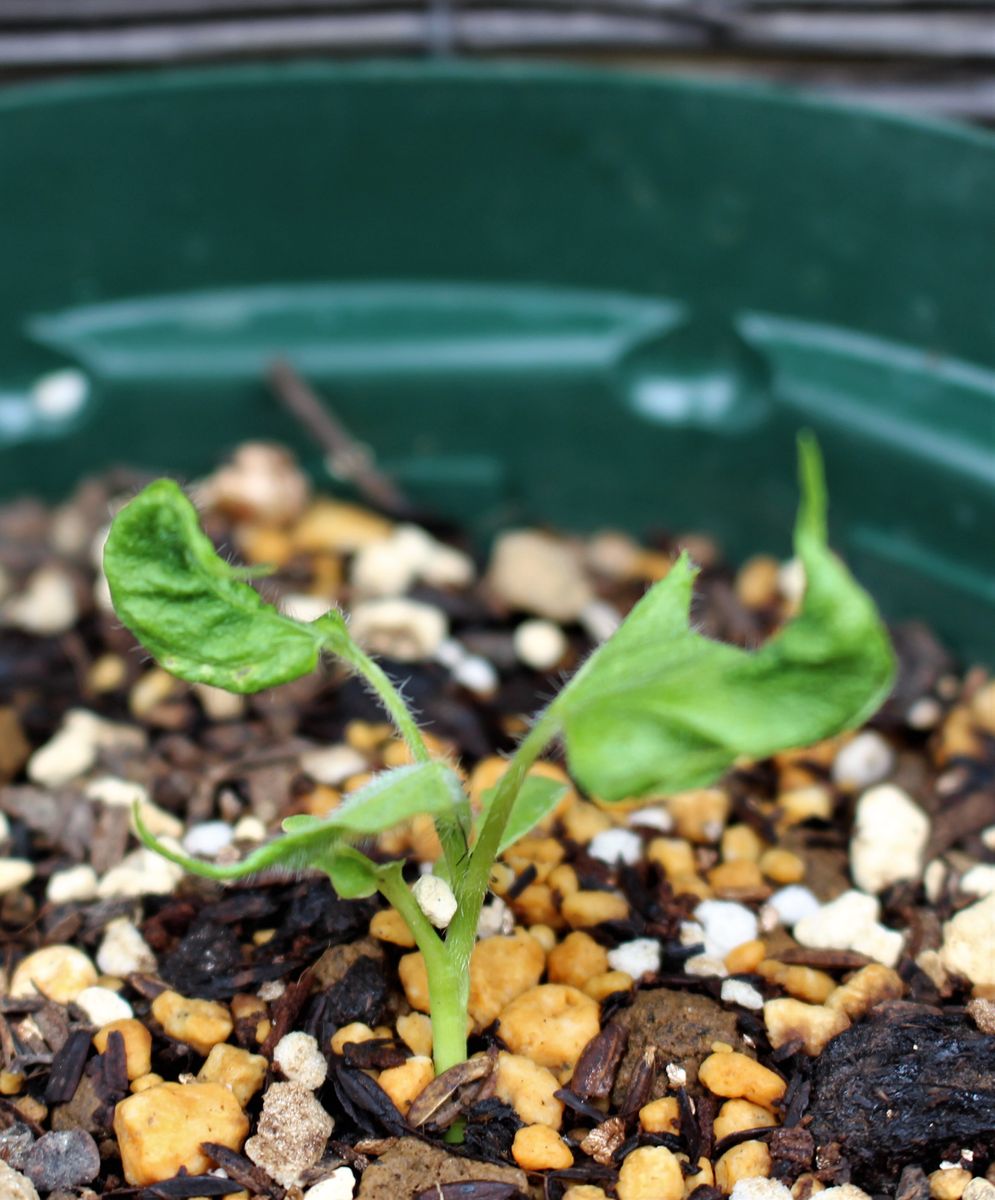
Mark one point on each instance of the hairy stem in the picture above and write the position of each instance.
(477, 872)
(448, 988)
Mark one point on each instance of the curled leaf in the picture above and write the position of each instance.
(659, 708)
(191, 609)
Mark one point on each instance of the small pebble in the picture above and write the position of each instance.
(496, 918)
(140, 873)
(292, 1132)
(249, 829)
(969, 943)
(737, 1076)
(536, 573)
(600, 620)
(297, 1055)
(75, 884)
(792, 904)
(200, 1024)
(65, 1159)
(261, 483)
(160, 1130)
(616, 845)
(218, 704)
(850, 922)
(15, 873)
(863, 761)
(243, 1073)
(67, 755)
(47, 606)
(405, 1083)
(979, 880)
(650, 1173)
(14, 1185)
(791, 580)
(705, 966)
(477, 675)
(436, 900)
(123, 951)
(340, 1185)
(406, 630)
(57, 972)
(758, 1187)
(137, 1044)
(726, 925)
(208, 838)
(637, 958)
(738, 991)
(889, 838)
(333, 765)
(116, 792)
(302, 606)
(539, 644)
(102, 1005)
(540, 1148)
(979, 1189)
(652, 818)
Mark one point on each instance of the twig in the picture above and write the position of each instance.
(345, 458)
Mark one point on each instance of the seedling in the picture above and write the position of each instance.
(657, 709)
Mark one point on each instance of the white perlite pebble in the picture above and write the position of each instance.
(539, 644)
(208, 838)
(536, 573)
(73, 884)
(219, 705)
(677, 1076)
(791, 580)
(792, 904)
(726, 925)
(406, 630)
(757, 1187)
(46, 607)
(850, 922)
(436, 900)
(934, 879)
(249, 829)
(969, 943)
(298, 1057)
(14, 873)
(116, 792)
(496, 918)
(141, 873)
(14, 1185)
(123, 951)
(477, 675)
(616, 845)
(889, 838)
(102, 1005)
(301, 606)
(979, 1189)
(600, 620)
(706, 966)
(845, 1191)
(979, 880)
(340, 1185)
(637, 958)
(333, 765)
(389, 567)
(652, 818)
(66, 756)
(864, 761)
(738, 991)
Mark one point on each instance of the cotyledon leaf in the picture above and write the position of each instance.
(192, 610)
(660, 708)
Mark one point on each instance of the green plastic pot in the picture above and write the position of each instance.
(540, 294)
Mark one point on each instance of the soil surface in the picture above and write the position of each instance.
(790, 973)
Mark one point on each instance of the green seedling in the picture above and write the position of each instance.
(657, 709)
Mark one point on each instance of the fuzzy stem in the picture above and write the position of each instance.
(389, 696)
(448, 989)
(476, 878)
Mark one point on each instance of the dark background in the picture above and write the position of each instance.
(929, 58)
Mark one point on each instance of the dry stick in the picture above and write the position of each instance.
(344, 456)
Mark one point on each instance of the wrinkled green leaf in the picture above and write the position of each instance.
(659, 708)
(191, 609)
(538, 797)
